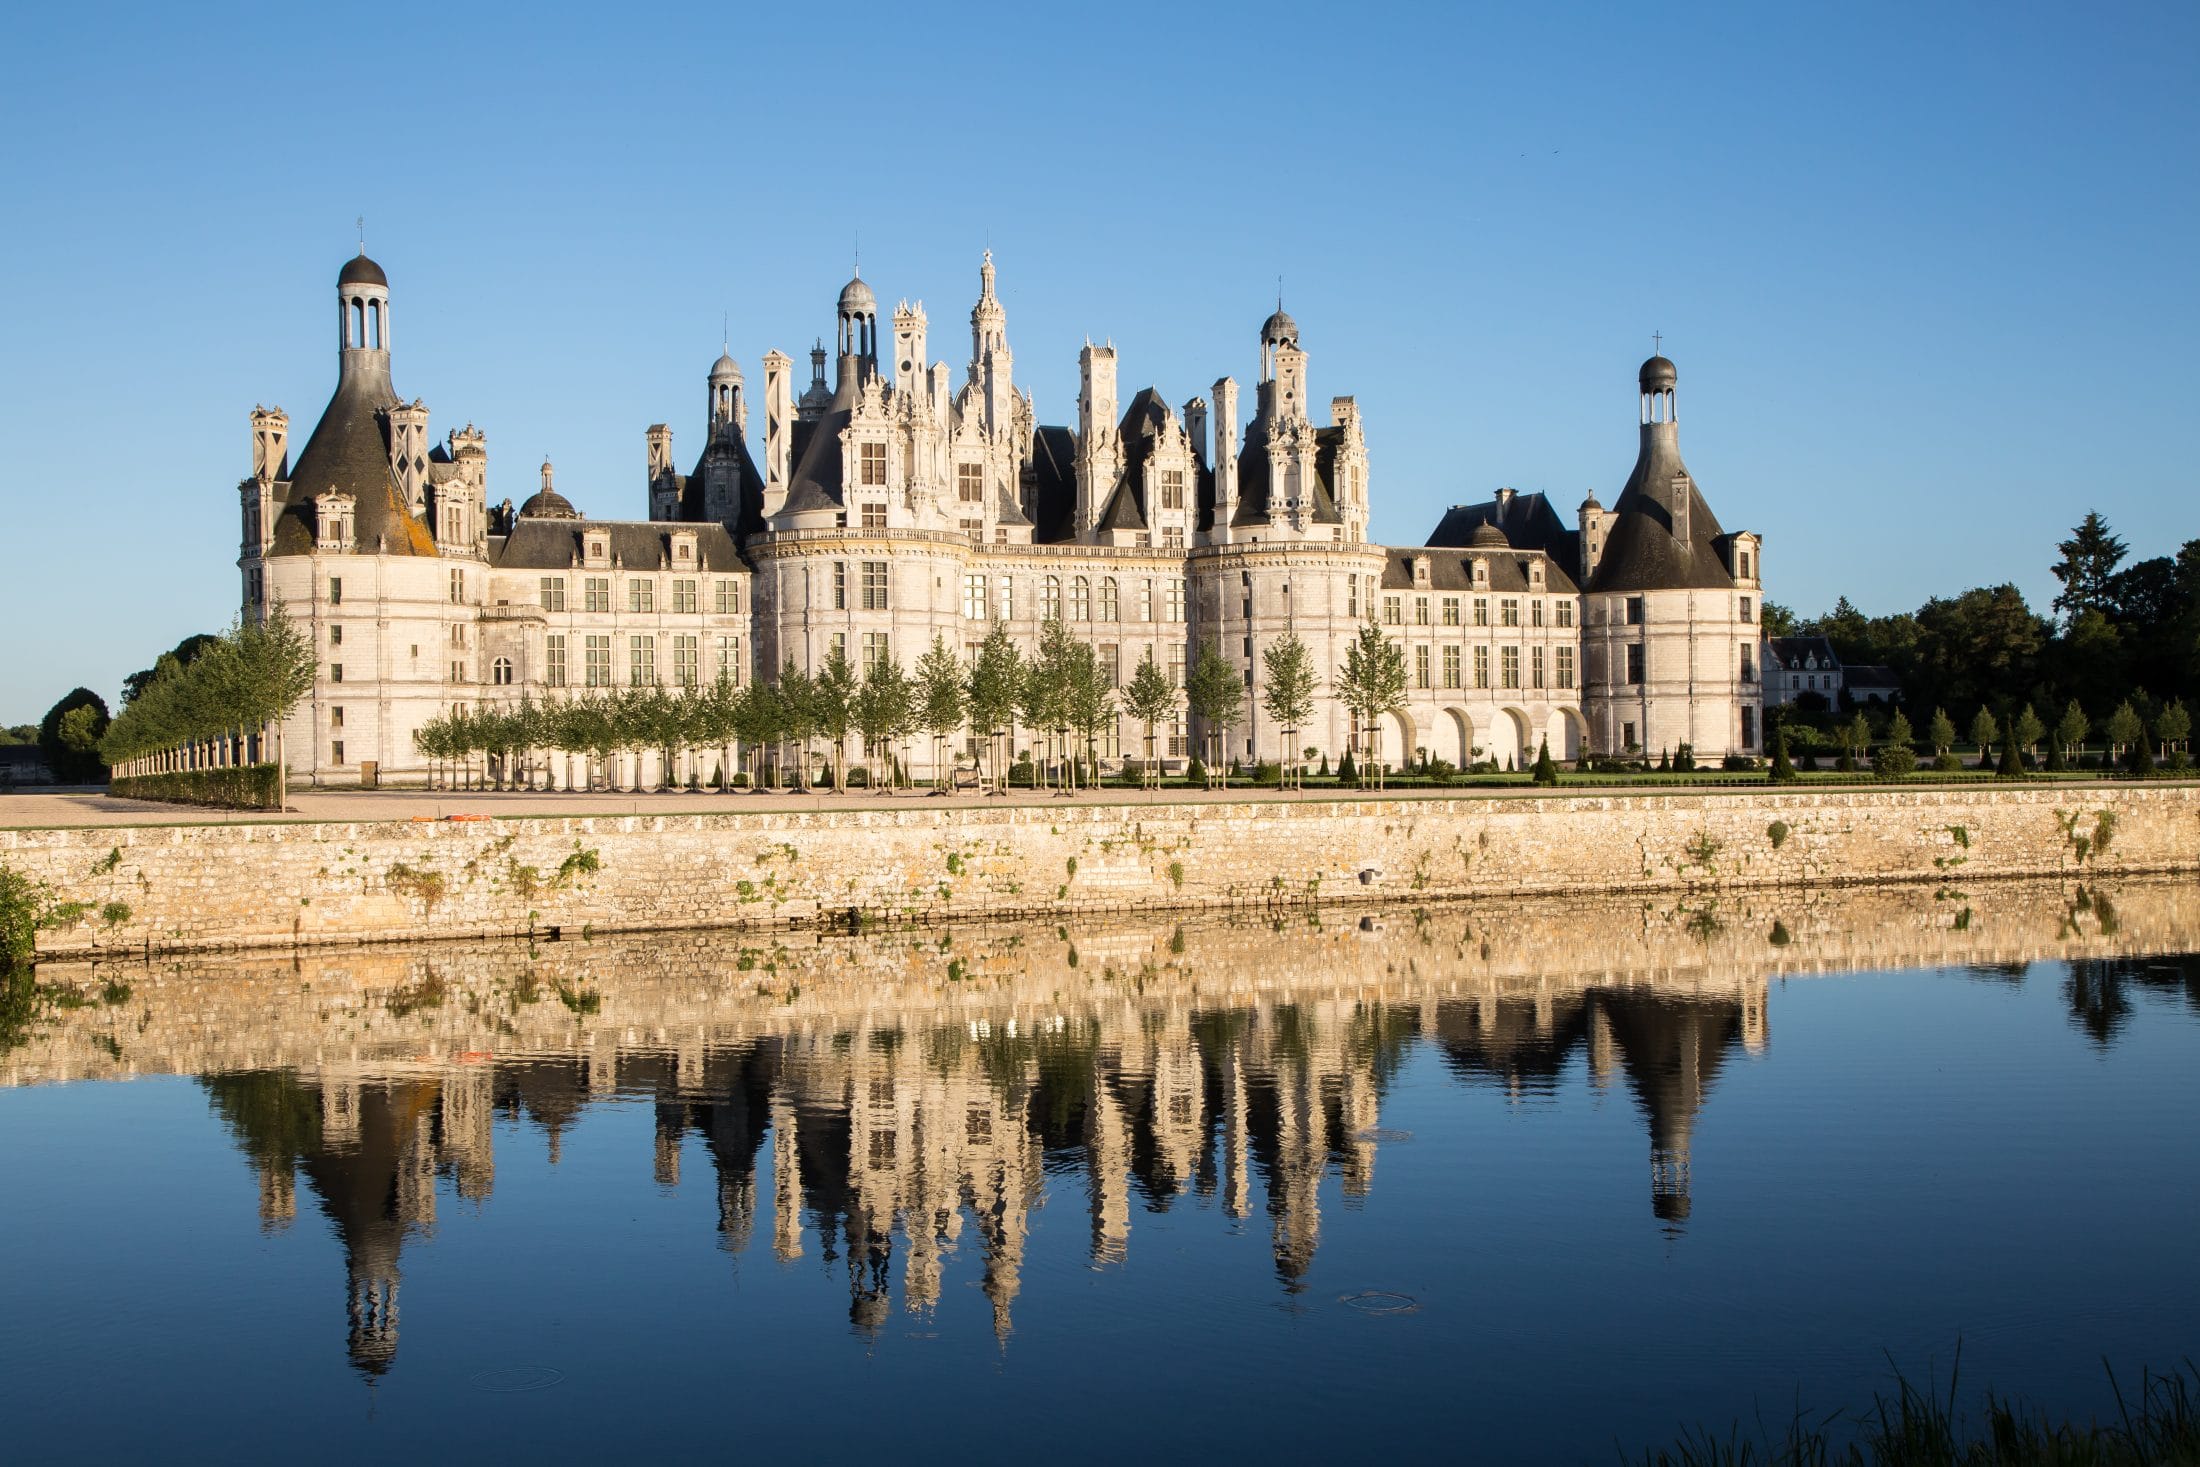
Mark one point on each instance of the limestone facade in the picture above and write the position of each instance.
(892, 507)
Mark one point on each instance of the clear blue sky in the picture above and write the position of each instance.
(1928, 271)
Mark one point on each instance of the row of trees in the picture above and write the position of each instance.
(219, 709)
(1060, 692)
(2118, 628)
(2129, 739)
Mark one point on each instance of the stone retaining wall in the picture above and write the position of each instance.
(174, 888)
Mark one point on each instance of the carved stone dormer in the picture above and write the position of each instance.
(1420, 572)
(596, 549)
(683, 550)
(333, 519)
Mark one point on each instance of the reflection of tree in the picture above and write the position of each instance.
(2095, 989)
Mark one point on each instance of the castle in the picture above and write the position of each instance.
(891, 508)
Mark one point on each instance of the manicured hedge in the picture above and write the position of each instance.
(241, 787)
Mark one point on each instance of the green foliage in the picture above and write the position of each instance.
(1684, 759)
(2089, 560)
(1546, 771)
(422, 885)
(2012, 761)
(1896, 758)
(70, 734)
(2124, 729)
(1348, 773)
(25, 907)
(1151, 699)
(239, 787)
(252, 676)
(1778, 833)
(1941, 732)
(1215, 692)
(2029, 729)
(1783, 767)
(1372, 681)
(582, 861)
(1984, 731)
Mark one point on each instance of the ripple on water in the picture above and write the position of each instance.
(509, 1378)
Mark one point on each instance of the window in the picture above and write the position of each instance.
(1634, 663)
(1420, 667)
(1145, 601)
(599, 662)
(840, 584)
(1451, 611)
(1108, 660)
(1634, 611)
(1481, 611)
(1508, 611)
(729, 659)
(1005, 599)
(1050, 598)
(874, 514)
(1420, 611)
(336, 718)
(975, 529)
(336, 672)
(1176, 667)
(1535, 667)
(458, 635)
(1565, 667)
(1481, 667)
(684, 598)
(872, 461)
(726, 598)
(1508, 667)
(1451, 667)
(500, 672)
(1393, 611)
(1749, 663)
(1172, 537)
(1535, 612)
(1172, 488)
(458, 672)
(554, 672)
(1749, 726)
(641, 594)
(458, 587)
(840, 644)
(1352, 596)
(1109, 607)
(1745, 609)
(683, 661)
(1565, 613)
(641, 661)
(1173, 601)
(336, 634)
(336, 752)
(1745, 576)
(596, 594)
(970, 483)
(335, 590)
(876, 651)
(553, 593)
(973, 598)
(874, 585)
(1627, 735)
(1080, 599)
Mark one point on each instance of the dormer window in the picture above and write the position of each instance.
(871, 464)
(333, 521)
(1420, 570)
(1535, 574)
(597, 548)
(1481, 572)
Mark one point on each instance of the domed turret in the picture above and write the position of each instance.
(858, 333)
(725, 368)
(856, 296)
(1279, 330)
(359, 270)
(1487, 536)
(1658, 375)
(547, 503)
(727, 410)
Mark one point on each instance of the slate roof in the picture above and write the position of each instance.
(1793, 654)
(1255, 492)
(1452, 571)
(1528, 522)
(749, 495)
(1642, 553)
(350, 451)
(819, 480)
(359, 270)
(635, 545)
(1052, 498)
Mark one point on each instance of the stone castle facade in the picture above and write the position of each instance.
(892, 507)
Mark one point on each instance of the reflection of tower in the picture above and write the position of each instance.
(1672, 1050)
(1107, 1168)
(786, 1181)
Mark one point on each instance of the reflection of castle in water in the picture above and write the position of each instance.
(881, 1140)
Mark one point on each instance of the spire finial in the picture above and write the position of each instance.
(361, 222)
(1279, 292)
(725, 331)
(859, 254)
(1657, 343)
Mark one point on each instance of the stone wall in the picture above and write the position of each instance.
(176, 888)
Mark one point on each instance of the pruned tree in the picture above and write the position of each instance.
(1215, 692)
(1287, 693)
(1372, 683)
(939, 701)
(1151, 699)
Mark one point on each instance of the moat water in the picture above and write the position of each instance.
(1509, 1182)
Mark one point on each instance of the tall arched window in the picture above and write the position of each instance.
(1110, 602)
(500, 672)
(1080, 599)
(1050, 599)
(358, 330)
(374, 323)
